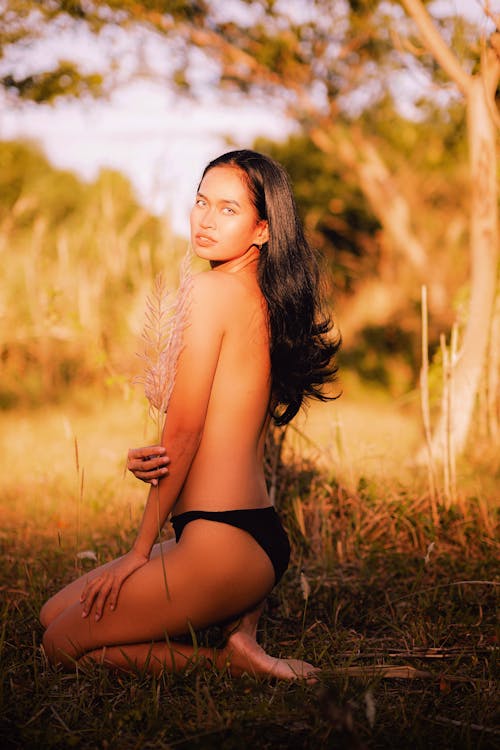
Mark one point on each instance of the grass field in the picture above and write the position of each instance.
(399, 612)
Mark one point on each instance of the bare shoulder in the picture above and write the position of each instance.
(219, 291)
(208, 310)
(207, 283)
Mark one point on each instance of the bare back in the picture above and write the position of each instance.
(228, 315)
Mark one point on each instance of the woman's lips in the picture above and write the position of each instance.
(204, 240)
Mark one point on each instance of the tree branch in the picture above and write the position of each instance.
(490, 74)
(437, 46)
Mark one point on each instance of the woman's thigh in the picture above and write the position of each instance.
(70, 594)
(215, 572)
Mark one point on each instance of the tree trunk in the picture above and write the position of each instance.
(482, 116)
(380, 188)
(484, 260)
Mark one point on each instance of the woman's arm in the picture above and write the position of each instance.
(182, 432)
(188, 405)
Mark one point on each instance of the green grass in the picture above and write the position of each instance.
(387, 589)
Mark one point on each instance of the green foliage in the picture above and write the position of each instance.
(384, 355)
(336, 215)
(81, 261)
(433, 141)
(65, 81)
(335, 47)
(430, 159)
(31, 188)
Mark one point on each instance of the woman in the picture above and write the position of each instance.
(255, 345)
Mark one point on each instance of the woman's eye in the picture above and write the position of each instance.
(228, 210)
(199, 202)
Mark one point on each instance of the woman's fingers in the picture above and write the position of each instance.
(95, 594)
(149, 451)
(152, 463)
(152, 475)
(104, 588)
(100, 599)
(148, 463)
(88, 595)
(113, 594)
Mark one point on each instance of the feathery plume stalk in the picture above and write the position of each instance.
(166, 319)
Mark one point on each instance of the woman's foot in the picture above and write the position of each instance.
(245, 654)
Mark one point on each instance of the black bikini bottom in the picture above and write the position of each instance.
(263, 524)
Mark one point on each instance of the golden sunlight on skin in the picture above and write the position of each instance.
(216, 572)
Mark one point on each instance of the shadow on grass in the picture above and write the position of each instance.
(399, 615)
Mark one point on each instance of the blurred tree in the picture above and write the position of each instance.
(384, 346)
(29, 187)
(336, 215)
(479, 89)
(325, 60)
(80, 261)
(321, 59)
(67, 80)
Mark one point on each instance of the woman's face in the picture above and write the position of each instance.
(224, 222)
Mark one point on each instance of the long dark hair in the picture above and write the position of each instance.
(302, 351)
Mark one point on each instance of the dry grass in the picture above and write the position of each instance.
(400, 613)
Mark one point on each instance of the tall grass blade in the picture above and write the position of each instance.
(424, 400)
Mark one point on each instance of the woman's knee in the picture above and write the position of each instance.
(59, 648)
(48, 612)
(53, 607)
(60, 601)
(49, 643)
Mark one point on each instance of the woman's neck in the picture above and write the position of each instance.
(236, 265)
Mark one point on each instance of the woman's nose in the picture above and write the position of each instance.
(208, 218)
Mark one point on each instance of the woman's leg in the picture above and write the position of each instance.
(241, 655)
(70, 637)
(214, 573)
(70, 594)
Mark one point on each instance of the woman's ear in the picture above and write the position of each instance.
(262, 233)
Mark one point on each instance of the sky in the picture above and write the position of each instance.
(161, 142)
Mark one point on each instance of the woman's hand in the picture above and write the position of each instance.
(149, 463)
(107, 585)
